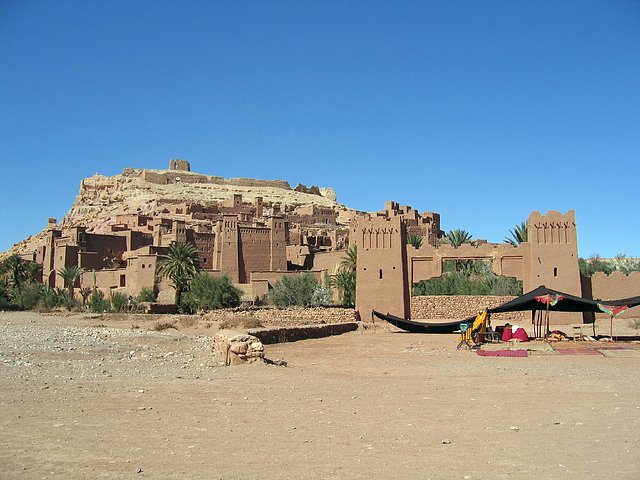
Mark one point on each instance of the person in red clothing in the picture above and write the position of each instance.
(514, 332)
(506, 333)
(518, 333)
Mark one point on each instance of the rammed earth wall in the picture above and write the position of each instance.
(461, 306)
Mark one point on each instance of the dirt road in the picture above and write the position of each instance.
(93, 398)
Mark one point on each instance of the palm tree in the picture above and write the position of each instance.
(345, 282)
(458, 237)
(350, 262)
(70, 276)
(518, 235)
(16, 270)
(415, 240)
(179, 265)
(344, 277)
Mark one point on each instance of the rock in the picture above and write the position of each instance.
(446, 441)
(239, 347)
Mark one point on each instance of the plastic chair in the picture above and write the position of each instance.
(464, 340)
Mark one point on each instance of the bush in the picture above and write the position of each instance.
(210, 293)
(97, 302)
(49, 298)
(294, 291)
(457, 283)
(146, 295)
(322, 295)
(119, 301)
(28, 296)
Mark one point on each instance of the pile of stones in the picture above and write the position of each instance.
(238, 348)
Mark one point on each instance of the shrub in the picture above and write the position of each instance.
(66, 299)
(29, 296)
(210, 293)
(160, 326)
(97, 302)
(322, 295)
(146, 295)
(49, 298)
(294, 291)
(457, 283)
(119, 301)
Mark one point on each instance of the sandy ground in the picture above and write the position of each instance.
(93, 398)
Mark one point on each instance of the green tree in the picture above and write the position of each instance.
(210, 293)
(294, 291)
(179, 265)
(350, 261)
(519, 234)
(457, 237)
(415, 240)
(595, 264)
(345, 281)
(17, 271)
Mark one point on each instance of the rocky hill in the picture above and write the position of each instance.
(145, 191)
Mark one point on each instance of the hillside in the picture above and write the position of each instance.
(145, 191)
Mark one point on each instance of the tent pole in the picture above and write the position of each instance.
(546, 332)
(611, 326)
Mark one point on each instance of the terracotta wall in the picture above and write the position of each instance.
(616, 286)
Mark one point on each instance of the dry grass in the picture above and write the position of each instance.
(162, 325)
(188, 322)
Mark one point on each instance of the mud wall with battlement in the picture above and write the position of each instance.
(163, 177)
(616, 286)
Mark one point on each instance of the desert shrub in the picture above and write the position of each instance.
(66, 299)
(29, 296)
(294, 291)
(187, 322)
(97, 302)
(210, 293)
(119, 301)
(146, 295)
(322, 295)
(160, 326)
(49, 298)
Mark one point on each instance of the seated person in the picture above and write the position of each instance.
(518, 333)
(514, 332)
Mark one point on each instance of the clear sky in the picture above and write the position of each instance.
(480, 110)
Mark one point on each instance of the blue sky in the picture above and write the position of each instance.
(481, 111)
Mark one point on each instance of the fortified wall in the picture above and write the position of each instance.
(388, 266)
(168, 177)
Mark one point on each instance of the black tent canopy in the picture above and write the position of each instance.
(543, 298)
(549, 300)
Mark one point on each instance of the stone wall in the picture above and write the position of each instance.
(286, 316)
(293, 334)
(430, 307)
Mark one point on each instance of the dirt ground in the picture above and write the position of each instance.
(95, 398)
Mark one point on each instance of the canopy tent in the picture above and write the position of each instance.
(544, 299)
